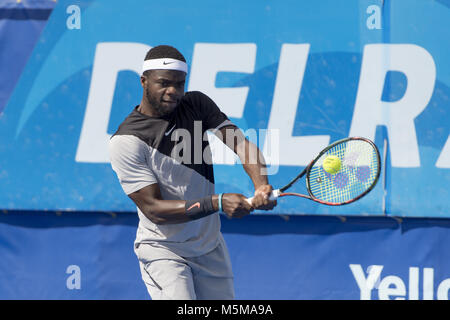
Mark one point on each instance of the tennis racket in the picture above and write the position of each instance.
(360, 168)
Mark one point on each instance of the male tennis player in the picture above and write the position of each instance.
(169, 176)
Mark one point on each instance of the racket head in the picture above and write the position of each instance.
(359, 173)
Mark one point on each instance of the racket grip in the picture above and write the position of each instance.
(273, 196)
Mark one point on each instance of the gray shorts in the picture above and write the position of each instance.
(168, 276)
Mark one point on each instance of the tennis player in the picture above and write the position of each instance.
(169, 176)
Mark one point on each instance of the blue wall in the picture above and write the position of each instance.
(309, 73)
(273, 257)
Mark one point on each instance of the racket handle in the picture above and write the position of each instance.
(273, 196)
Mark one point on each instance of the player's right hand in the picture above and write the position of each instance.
(235, 205)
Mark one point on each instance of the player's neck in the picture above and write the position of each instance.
(147, 109)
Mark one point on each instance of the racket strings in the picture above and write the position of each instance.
(359, 169)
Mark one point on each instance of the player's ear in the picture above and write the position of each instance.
(143, 81)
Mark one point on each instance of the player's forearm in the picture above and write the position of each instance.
(251, 157)
(253, 162)
(165, 211)
(256, 174)
(175, 211)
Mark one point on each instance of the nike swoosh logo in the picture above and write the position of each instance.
(197, 204)
(168, 132)
(164, 62)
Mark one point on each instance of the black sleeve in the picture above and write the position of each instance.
(208, 111)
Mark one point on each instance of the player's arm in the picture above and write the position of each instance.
(253, 162)
(160, 211)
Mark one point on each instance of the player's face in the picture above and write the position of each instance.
(164, 90)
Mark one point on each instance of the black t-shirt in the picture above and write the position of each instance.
(185, 127)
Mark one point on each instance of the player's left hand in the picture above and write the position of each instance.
(261, 198)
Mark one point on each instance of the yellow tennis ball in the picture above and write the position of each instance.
(331, 164)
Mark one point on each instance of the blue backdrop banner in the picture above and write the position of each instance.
(293, 75)
(90, 256)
